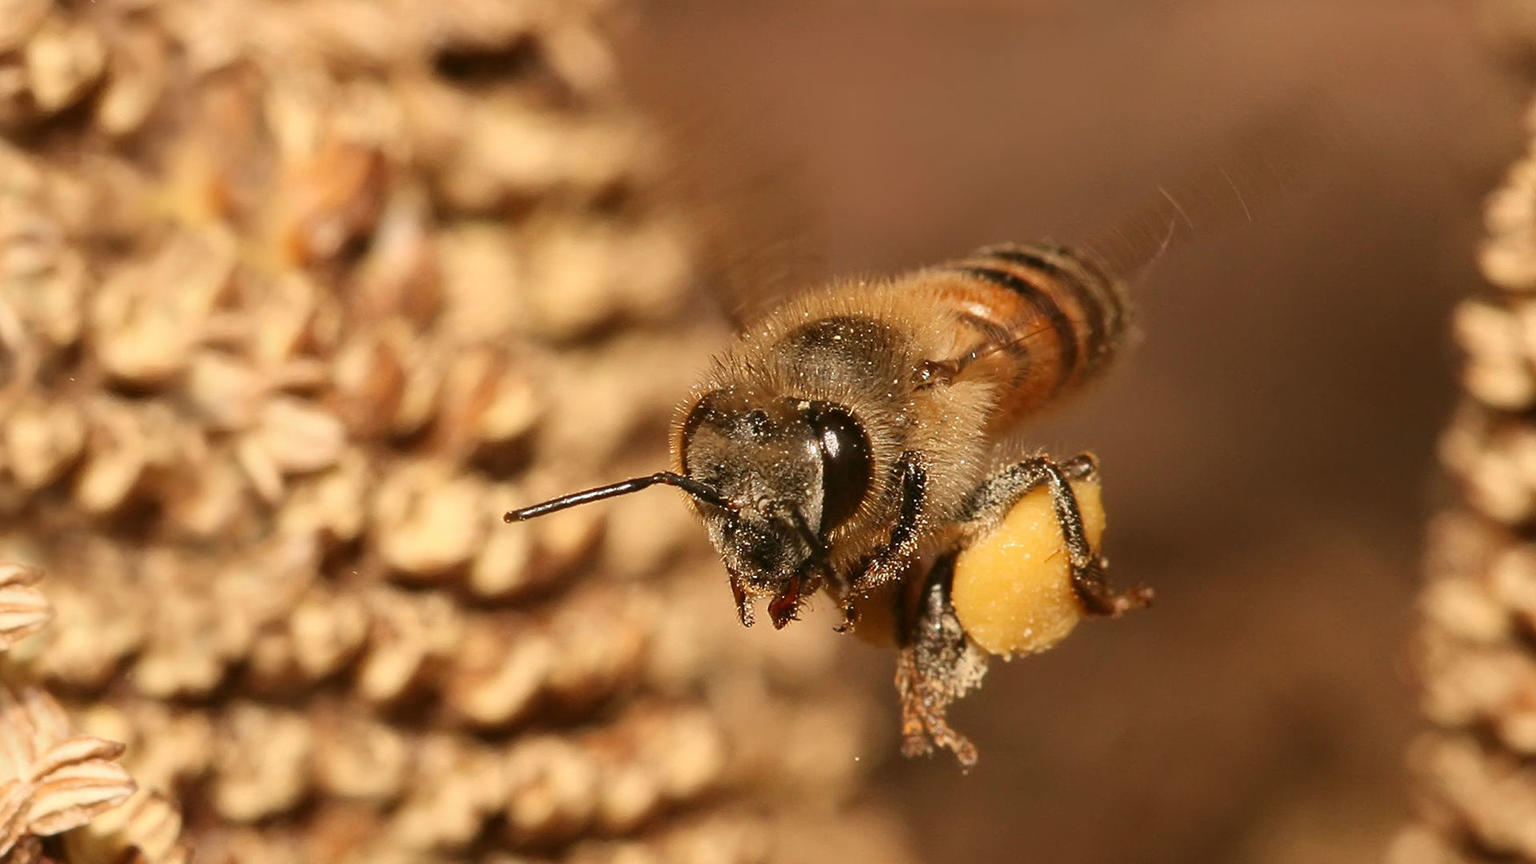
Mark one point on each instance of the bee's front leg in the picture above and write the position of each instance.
(937, 664)
(743, 602)
(1002, 490)
(892, 558)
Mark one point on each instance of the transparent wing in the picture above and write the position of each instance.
(752, 214)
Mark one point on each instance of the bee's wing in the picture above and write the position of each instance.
(759, 241)
(1235, 189)
(1264, 162)
(751, 212)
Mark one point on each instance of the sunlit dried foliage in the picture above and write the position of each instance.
(295, 300)
(1477, 646)
(53, 779)
(23, 608)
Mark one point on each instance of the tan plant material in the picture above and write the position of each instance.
(262, 757)
(63, 58)
(147, 825)
(23, 608)
(51, 779)
(1476, 790)
(20, 20)
(55, 778)
(295, 300)
(1508, 261)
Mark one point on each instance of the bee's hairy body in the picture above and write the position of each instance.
(933, 366)
(848, 441)
(851, 441)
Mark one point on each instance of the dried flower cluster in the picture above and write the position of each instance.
(1477, 648)
(52, 778)
(23, 608)
(295, 300)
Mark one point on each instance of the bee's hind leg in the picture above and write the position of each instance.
(1000, 492)
(937, 664)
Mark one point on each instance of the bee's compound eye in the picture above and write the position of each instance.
(845, 461)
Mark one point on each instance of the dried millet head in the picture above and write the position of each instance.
(1477, 644)
(295, 300)
(55, 780)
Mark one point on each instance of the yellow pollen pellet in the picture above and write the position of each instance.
(1013, 587)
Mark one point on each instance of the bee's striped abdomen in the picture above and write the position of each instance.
(1042, 318)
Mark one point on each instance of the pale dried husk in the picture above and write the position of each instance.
(1476, 789)
(301, 297)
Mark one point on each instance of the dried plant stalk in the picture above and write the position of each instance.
(295, 300)
(1476, 769)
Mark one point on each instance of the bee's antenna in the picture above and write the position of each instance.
(707, 494)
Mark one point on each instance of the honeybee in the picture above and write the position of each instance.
(852, 441)
(845, 443)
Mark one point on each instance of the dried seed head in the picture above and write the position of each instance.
(1500, 341)
(499, 671)
(19, 19)
(475, 255)
(400, 276)
(146, 319)
(261, 758)
(459, 786)
(370, 377)
(504, 566)
(553, 791)
(225, 391)
(1486, 792)
(284, 339)
(147, 826)
(137, 72)
(299, 437)
(362, 759)
(1476, 785)
(484, 404)
(63, 59)
(1509, 258)
(428, 521)
(161, 749)
(208, 498)
(598, 645)
(409, 635)
(328, 630)
(23, 608)
(98, 627)
(330, 199)
(55, 779)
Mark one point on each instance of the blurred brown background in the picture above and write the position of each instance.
(1267, 446)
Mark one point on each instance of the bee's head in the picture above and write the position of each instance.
(772, 479)
(791, 471)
